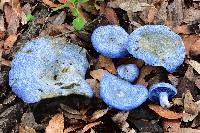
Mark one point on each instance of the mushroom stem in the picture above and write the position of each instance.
(164, 102)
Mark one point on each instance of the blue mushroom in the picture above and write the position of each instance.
(157, 45)
(46, 68)
(161, 92)
(128, 72)
(110, 41)
(121, 94)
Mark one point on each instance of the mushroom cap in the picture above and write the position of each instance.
(121, 94)
(128, 72)
(46, 67)
(157, 45)
(110, 41)
(155, 90)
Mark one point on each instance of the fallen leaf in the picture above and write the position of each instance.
(89, 126)
(60, 18)
(97, 74)
(191, 15)
(165, 112)
(98, 114)
(5, 62)
(189, 73)
(2, 27)
(197, 82)
(69, 109)
(128, 5)
(9, 42)
(177, 101)
(26, 130)
(107, 64)
(171, 126)
(72, 128)
(188, 130)
(188, 42)
(173, 79)
(62, 1)
(28, 121)
(110, 15)
(195, 48)
(146, 70)
(12, 19)
(151, 14)
(195, 65)
(95, 86)
(2, 2)
(50, 3)
(181, 29)
(56, 124)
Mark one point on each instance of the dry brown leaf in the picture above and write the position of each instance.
(8, 44)
(151, 14)
(2, 2)
(89, 126)
(5, 62)
(50, 3)
(188, 130)
(183, 29)
(171, 126)
(2, 27)
(197, 82)
(26, 130)
(195, 48)
(191, 15)
(95, 86)
(111, 15)
(98, 114)
(97, 74)
(56, 124)
(188, 41)
(164, 112)
(69, 109)
(195, 65)
(12, 19)
(62, 1)
(107, 64)
(173, 79)
(72, 128)
(146, 70)
(189, 73)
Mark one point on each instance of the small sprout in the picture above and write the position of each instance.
(157, 45)
(52, 69)
(29, 17)
(110, 41)
(128, 72)
(121, 94)
(161, 92)
(78, 23)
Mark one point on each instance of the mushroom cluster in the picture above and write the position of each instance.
(157, 45)
(46, 68)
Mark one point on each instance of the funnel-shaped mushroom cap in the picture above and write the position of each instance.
(128, 72)
(46, 68)
(121, 94)
(110, 41)
(156, 89)
(157, 45)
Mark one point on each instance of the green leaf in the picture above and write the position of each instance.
(78, 23)
(83, 1)
(75, 12)
(60, 7)
(29, 17)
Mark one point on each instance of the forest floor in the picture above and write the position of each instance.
(75, 20)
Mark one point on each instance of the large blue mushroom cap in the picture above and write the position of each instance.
(110, 41)
(121, 94)
(128, 72)
(156, 89)
(46, 68)
(157, 45)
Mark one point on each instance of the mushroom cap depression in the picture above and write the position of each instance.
(157, 45)
(110, 41)
(155, 90)
(47, 67)
(121, 94)
(128, 72)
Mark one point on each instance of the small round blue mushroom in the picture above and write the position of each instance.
(128, 72)
(157, 45)
(121, 94)
(110, 41)
(46, 68)
(161, 92)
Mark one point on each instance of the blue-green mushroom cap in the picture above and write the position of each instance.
(121, 94)
(46, 68)
(157, 45)
(128, 72)
(110, 41)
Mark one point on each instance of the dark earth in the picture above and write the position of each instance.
(24, 20)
